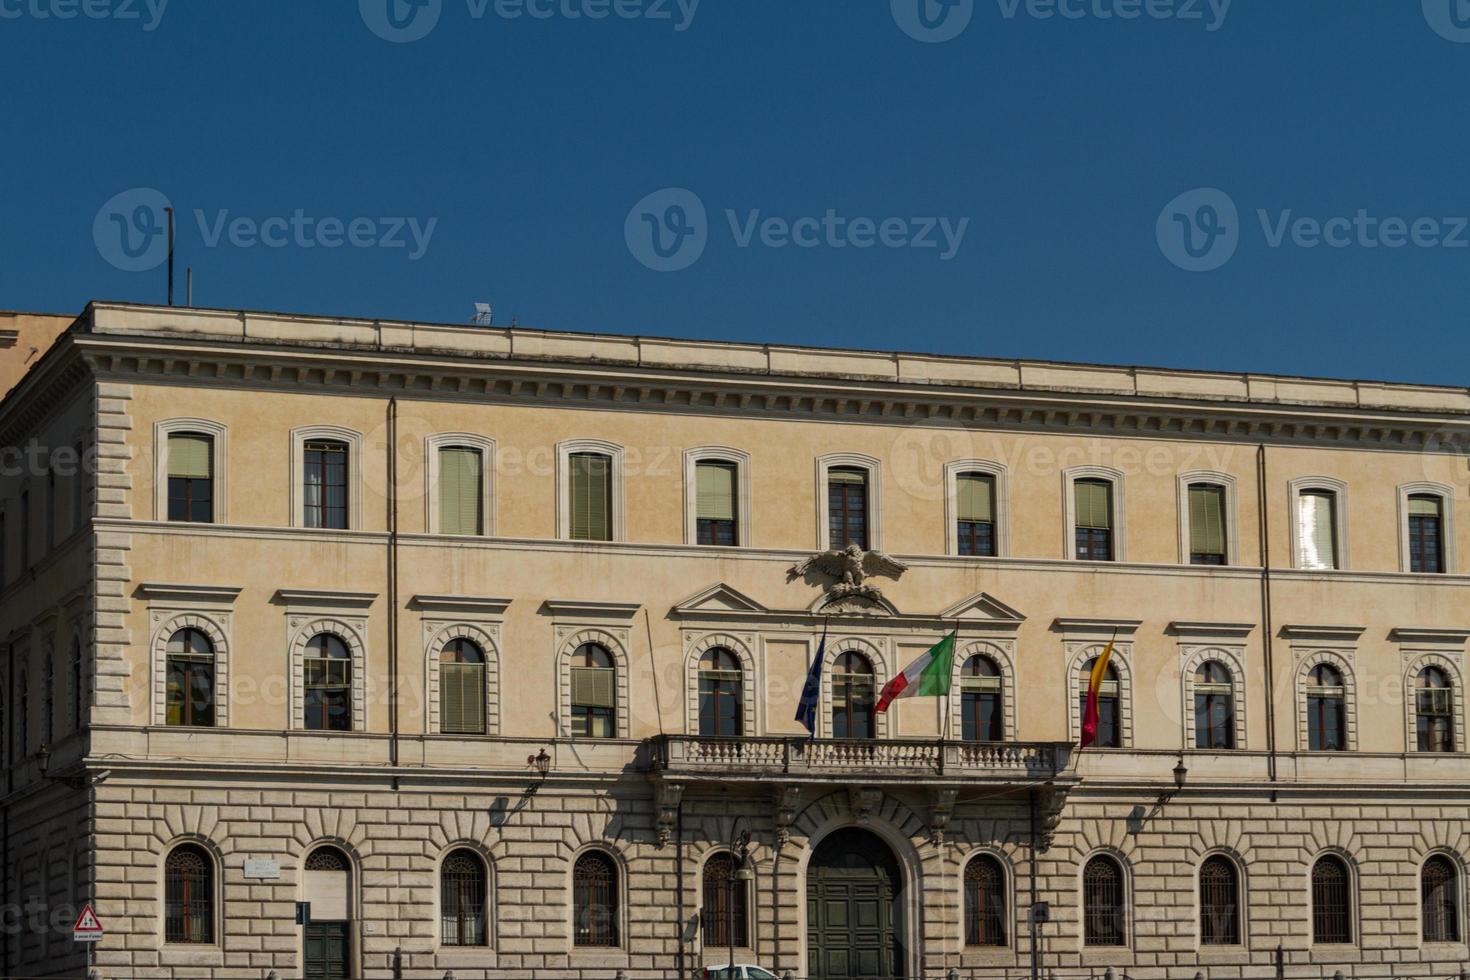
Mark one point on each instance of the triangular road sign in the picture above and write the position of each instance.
(88, 928)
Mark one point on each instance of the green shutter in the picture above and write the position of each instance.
(460, 491)
(189, 455)
(591, 493)
(1094, 500)
(461, 699)
(1206, 520)
(592, 687)
(1424, 507)
(975, 498)
(715, 491)
(847, 476)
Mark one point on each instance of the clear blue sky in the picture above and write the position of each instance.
(1060, 139)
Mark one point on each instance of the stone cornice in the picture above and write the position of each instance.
(618, 373)
(321, 599)
(1182, 628)
(590, 609)
(1429, 635)
(1342, 634)
(1097, 627)
(476, 605)
(216, 594)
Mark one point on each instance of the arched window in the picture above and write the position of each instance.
(852, 696)
(594, 692)
(985, 902)
(190, 685)
(1332, 905)
(1440, 900)
(461, 688)
(1214, 707)
(720, 692)
(1109, 729)
(1219, 903)
(982, 717)
(1326, 710)
(462, 891)
(188, 895)
(595, 900)
(328, 675)
(1102, 903)
(1434, 706)
(726, 910)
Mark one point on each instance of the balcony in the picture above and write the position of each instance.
(792, 759)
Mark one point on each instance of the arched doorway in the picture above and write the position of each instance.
(854, 927)
(326, 886)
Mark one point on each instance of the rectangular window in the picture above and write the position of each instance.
(1317, 528)
(847, 508)
(1093, 501)
(190, 478)
(324, 489)
(1426, 534)
(328, 695)
(975, 510)
(592, 702)
(715, 490)
(461, 492)
(1206, 525)
(591, 497)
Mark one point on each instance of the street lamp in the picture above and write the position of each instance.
(742, 872)
(541, 762)
(1180, 775)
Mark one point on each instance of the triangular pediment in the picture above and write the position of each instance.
(984, 609)
(719, 598)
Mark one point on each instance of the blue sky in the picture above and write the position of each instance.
(1060, 152)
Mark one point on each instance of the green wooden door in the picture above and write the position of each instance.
(328, 951)
(852, 927)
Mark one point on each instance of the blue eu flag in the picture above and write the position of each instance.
(811, 695)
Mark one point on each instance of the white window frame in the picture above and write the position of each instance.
(1342, 661)
(1079, 653)
(1446, 495)
(1303, 484)
(1416, 662)
(564, 452)
(350, 631)
(615, 641)
(717, 454)
(457, 440)
(874, 468)
(335, 433)
(1001, 477)
(219, 484)
(486, 636)
(741, 646)
(1003, 653)
(1233, 657)
(1070, 476)
(213, 624)
(1232, 528)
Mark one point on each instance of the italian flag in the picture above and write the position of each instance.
(927, 677)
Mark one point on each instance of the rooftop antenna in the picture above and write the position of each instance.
(170, 212)
(484, 315)
(189, 287)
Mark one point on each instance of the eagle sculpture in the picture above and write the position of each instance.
(851, 566)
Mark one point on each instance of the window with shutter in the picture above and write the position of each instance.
(591, 497)
(1426, 534)
(594, 686)
(461, 491)
(1206, 524)
(1317, 528)
(1093, 519)
(461, 689)
(190, 478)
(975, 509)
(847, 507)
(715, 501)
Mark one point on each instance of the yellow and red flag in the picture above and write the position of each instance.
(1094, 686)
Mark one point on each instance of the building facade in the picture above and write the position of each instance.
(364, 648)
